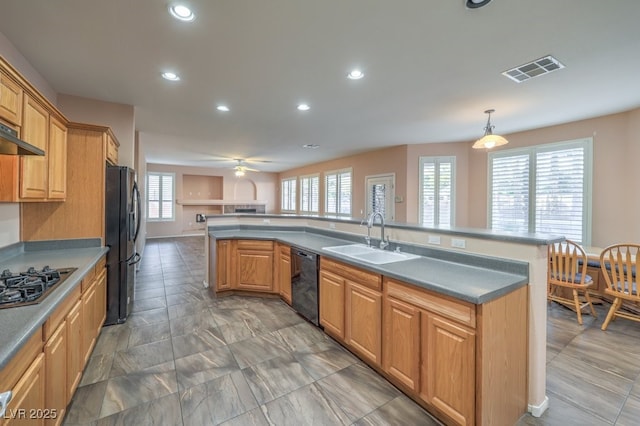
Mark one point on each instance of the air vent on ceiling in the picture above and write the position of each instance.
(532, 69)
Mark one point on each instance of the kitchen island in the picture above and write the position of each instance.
(463, 316)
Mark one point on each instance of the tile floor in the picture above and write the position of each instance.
(186, 358)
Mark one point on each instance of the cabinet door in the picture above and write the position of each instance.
(88, 322)
(254, 270)
(33, 170)
(28, 394)
(401, 342)
(101, 300)
(55, 356)
(363, 325)
(284, 274)
(223, 265)
(75, 355)
(448, 368)
(332, 303)
(57, 188)
(10, 100)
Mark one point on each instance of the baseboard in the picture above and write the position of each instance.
(538, 410)
(202, 234)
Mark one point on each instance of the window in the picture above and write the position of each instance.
(437, 190)
(338, 192)
(310, 194)
(288, 192)
(160, 196)
(546, 189)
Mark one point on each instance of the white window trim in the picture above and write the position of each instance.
(173, 193)
(302, 209)
(326, 193)
(586, 143)
(294, 179)
(437, 159)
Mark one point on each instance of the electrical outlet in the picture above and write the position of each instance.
(332, 225)
(458, 243)
(266, 220)
(434, 239)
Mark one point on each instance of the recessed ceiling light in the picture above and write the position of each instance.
(181, 12)
(171, 76)
(355, 75)
(311, 146)
(303, 107)
(222, 108)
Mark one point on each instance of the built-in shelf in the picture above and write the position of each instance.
(218, 202)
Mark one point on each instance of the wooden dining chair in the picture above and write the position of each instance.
(568, 270)
(619, 264)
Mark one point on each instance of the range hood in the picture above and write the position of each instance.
(11, 145)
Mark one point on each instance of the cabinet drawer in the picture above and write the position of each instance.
(366, 278)
(58, 316)
(462, 312)
(12, 372)
(254, 245)
(100, 265)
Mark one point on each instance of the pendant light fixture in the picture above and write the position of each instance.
(489, 140)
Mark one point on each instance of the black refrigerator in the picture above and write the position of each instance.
(122, 224)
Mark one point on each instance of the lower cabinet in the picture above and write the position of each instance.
(55, 354)
(401, 337)
(331, 301)
(284, 272)
(75, 357)
(28, 396)
(245, 265)
(351, 307)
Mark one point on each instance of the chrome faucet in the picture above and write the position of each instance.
(384, 242)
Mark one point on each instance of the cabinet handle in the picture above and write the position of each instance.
(5, 397)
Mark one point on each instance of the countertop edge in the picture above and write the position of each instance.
(42, 311)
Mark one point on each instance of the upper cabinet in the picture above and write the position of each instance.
(10, 100)
(32, 178)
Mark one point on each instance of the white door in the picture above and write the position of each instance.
(380, 190)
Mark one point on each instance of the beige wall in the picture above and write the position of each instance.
(382, 161)
(120, 117)
(263, 184)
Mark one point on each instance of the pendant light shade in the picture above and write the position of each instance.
(489, 140)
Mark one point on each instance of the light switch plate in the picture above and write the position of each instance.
(434, 239)
(458, 243)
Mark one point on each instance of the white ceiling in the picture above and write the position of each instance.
(432, 67)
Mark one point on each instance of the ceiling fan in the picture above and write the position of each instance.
(241, 169)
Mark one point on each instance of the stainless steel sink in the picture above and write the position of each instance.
(370, 254)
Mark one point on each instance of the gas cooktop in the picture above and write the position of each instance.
(30, 287)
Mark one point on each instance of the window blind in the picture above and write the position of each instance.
(544, 189)
(338, 189)
(437, 190)
(309, 194)
(288, 191)
(160, 196)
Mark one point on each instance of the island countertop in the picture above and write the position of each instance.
(472, 278)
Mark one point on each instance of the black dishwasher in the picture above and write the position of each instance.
(304, 283)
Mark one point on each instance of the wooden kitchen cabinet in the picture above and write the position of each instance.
(89, 298)
(33, 168)
(85, 191)
(254, 265)
(111, 147)
(331, 301)
(75, 357)
(447, 376)
(223, 265)
(28, 395)
(363, 321)
(284, 272)
(55, 356)
(351, 307)
(11, 98)
(401, 337)
(57, 160)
